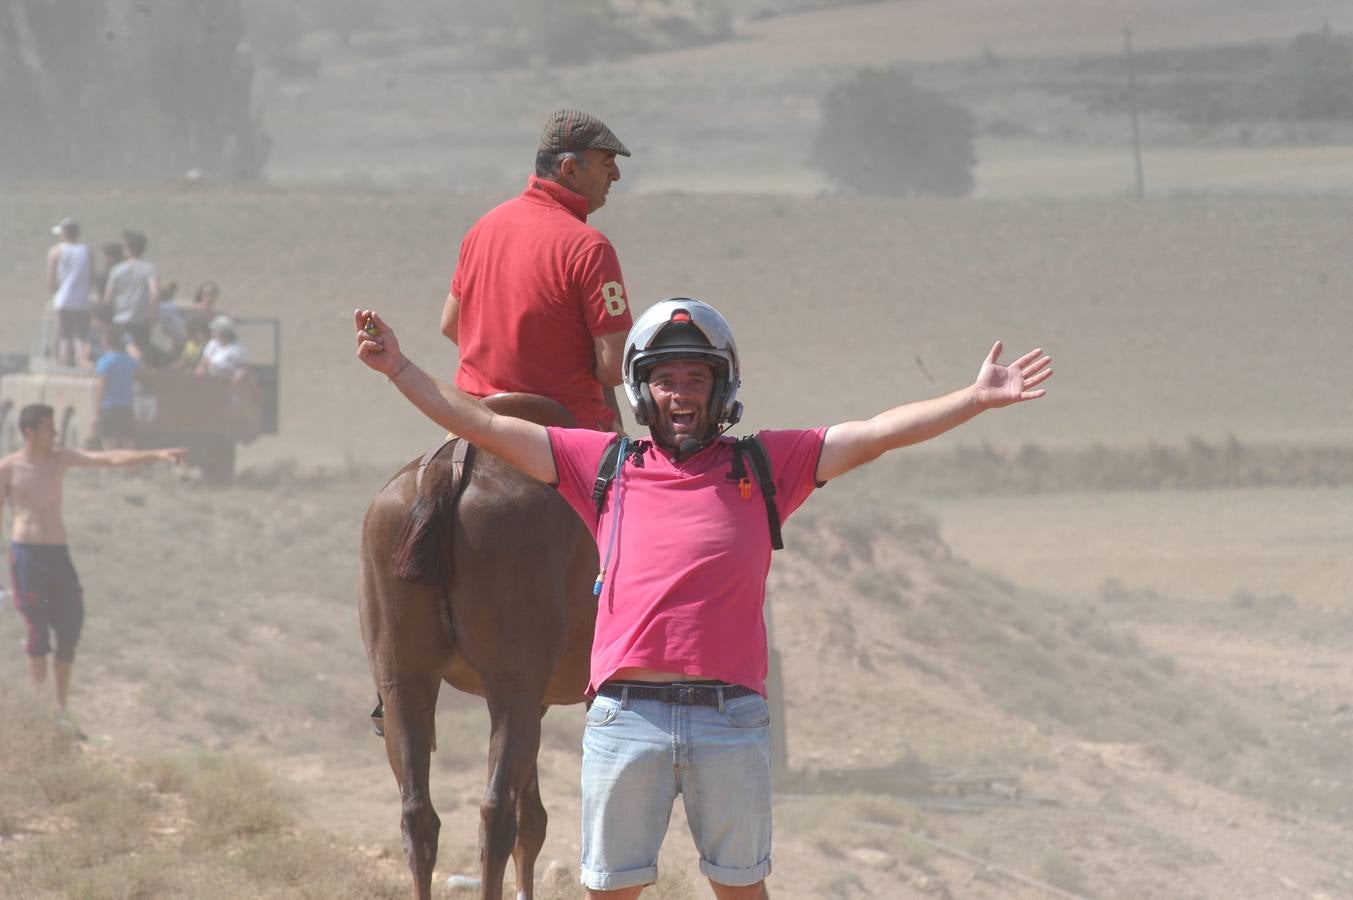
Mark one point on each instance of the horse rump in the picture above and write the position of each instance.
(423, 552)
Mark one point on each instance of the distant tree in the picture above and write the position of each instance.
(1313, 77)
(574, 32)
(882, 134)
(48, 62)
(126, 89)
(348, 16)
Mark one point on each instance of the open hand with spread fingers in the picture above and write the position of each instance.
(999, 385)
(377, 345)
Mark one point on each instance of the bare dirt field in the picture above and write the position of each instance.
(1175, 732)
(937, 30)
(1204, 317)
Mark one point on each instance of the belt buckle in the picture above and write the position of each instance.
(685, 694)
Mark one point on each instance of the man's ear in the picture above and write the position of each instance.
(567, 169)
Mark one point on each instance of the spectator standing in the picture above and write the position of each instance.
(679, 658)
(204, 303)
(117, 371)
(171, 326)
(70, 273)
(134, 292)
(47, 589)
(111, 254)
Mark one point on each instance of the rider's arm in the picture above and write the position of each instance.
(524, 444)
(610, 350)
(115, 458)
(451, 319)
(853, 444)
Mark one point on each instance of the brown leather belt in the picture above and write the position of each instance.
(681, 693)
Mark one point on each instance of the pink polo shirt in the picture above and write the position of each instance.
(687, 576)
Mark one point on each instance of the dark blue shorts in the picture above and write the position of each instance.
(47, 591)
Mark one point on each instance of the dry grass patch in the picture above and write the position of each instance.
(76, 825)
(230, 799)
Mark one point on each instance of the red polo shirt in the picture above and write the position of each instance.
(536, 285)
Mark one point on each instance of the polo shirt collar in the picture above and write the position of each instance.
(538, 188)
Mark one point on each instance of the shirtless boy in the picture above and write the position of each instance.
(46, 588)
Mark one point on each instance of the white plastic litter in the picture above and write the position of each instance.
(463, 883)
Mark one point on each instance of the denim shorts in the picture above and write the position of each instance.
(639, 754)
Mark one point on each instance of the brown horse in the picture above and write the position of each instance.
(504, 610)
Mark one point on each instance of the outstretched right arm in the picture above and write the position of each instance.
(524, 444)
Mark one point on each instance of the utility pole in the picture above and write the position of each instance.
(1132, 108)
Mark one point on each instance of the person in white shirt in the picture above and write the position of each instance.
(224, 356)
(70, 271)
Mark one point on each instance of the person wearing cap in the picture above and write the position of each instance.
(223, 356)
(70, 273)
(133, 292)
(679, 657)
(538, 302)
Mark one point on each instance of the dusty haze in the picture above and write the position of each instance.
(1127, 604)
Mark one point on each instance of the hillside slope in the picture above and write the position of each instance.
(1123, 767)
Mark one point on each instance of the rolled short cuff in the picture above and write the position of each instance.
(735, 877)
(614, 881)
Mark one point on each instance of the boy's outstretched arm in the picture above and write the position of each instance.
(116, 458)
(525, 445)
(853, 444)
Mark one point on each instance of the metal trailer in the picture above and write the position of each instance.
(173, 407)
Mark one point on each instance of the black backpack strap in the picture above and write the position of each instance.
(761, 464)
(607, 469)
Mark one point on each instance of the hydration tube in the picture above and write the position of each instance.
(615, 514)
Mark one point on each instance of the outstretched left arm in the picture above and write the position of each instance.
(852, 444)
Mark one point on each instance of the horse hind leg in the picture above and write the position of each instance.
(513, 744)
(409, 711)
(532, 821)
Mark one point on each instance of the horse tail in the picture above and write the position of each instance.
(423, 552)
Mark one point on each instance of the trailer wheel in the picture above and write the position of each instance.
(217, 460)
(72, 435)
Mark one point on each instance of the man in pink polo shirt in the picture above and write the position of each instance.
(538, 303)
(679, 658)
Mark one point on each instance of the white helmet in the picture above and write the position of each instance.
(683, 328)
